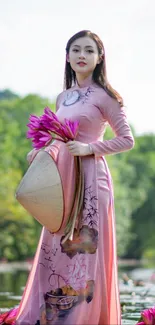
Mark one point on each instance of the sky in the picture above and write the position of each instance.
(34, 33)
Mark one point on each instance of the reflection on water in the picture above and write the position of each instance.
(133, 298)
(11, 288)
(13, 281)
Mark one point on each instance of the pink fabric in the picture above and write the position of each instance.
(85, 269)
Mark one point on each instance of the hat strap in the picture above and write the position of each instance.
(77, 202)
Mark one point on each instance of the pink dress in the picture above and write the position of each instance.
(77, 282)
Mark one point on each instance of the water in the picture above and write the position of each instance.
(11, 288)
(137, 294)
(133, 298)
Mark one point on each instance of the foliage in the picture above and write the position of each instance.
(7, 94)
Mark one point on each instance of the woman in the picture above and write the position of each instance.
(81, 274)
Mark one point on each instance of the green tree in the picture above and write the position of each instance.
(19, 231)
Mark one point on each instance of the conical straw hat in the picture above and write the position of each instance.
(40, 192)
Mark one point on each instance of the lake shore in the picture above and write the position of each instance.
(6, 266)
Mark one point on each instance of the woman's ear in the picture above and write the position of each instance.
(99, 59)
(67, 57)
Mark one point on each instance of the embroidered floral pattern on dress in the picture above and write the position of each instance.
(74, 96)
(86, 95)
(59, 302)
(63, 297)
(85, 240)
(90, 215)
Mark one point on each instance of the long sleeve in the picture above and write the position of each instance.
(116, 117)
(58, 99)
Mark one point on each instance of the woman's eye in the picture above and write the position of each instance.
(88, 51)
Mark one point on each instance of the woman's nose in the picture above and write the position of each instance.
(82, 55)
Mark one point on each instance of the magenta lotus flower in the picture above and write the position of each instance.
(9, 316)
(41, 139)
(71, 128)
(34, 126)
(147, 317)
(49, 113)
(49, 119)
(35, 121)
(44, 129)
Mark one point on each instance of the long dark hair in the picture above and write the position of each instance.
(99, 73)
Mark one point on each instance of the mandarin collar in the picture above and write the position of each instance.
(84, 83)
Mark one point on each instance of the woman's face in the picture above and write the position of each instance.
(83, 56)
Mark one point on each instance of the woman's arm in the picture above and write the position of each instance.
(116, 117)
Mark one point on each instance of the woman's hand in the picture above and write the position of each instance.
(31, 155)
(77, 148)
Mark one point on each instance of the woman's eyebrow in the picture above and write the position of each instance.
(76, 45)
(85, 46)
(89, 46)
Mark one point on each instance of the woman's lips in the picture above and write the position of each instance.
(81, 64)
